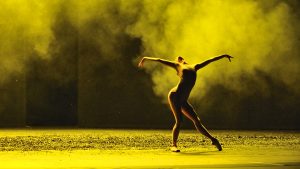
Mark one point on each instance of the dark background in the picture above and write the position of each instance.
(80, 87)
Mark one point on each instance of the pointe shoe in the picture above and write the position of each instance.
(175, 149)
(216, 143)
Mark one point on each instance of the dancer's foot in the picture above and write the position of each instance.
(175, 149)
(216, 143)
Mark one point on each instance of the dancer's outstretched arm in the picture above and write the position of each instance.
(163, 61)
(203, 64)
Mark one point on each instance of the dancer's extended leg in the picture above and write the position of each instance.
(190, 113)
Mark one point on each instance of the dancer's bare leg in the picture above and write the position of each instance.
(176, 109)
(190, 113)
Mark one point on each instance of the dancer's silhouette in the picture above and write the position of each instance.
(178, 96)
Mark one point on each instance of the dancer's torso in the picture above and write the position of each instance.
(188, 75)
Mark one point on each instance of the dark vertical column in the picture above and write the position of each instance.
(12, 110)
(13, 95)
(52, 84)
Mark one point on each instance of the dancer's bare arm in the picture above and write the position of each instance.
(163, 61)
(203, 64)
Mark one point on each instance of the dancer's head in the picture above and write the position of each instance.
(180, 60)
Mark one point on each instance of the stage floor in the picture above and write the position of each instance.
(79, 148)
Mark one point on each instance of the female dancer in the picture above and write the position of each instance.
(178, 96)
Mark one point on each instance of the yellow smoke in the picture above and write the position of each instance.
(25, 31)
(258, 34)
